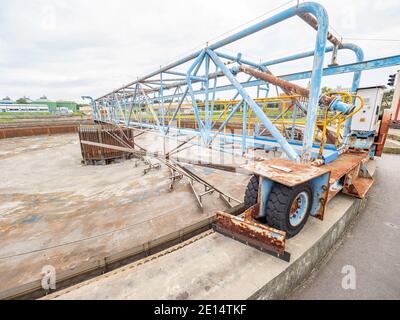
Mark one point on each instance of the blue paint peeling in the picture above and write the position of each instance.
(31, 219)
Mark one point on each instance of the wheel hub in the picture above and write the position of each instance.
(298, 209)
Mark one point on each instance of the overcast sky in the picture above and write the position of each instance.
(69, 48)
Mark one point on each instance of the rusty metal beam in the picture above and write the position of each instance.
(309, 19)
(285, 85)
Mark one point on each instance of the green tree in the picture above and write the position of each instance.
(388, 99)
(326, 90)
(23, 100)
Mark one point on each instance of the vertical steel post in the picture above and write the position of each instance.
(206, 84)
(133, 105)
(244, 133)
(162, 100)
(198, 62)
(356, 83)
(213, 102)
(294, 120)
(315, 89)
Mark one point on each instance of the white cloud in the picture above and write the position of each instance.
(69, 48)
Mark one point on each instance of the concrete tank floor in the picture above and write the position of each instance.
(56, 211)
(216, 267)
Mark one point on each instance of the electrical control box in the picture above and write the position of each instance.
(367, 119)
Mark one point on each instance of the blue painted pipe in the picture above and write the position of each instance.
(345, 46)
(340, 106)
(198, 62)
(331, 71)
(323, 23)
(356, 84)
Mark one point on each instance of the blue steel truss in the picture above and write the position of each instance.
(205, 74)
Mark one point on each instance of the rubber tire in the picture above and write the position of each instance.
(278, 208)
(251, 195)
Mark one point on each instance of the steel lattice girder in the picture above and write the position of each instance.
(136, 95)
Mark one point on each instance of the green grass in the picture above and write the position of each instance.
(15, 115)
(5, 120)
(6, 117)
(78, 114)
(239, 115)
(25, 115)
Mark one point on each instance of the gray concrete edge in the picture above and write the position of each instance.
(299, 271)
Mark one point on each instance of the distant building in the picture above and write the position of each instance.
(72, 106)
(44, 101)
(55, 106)
(85, 109)
(42, 104)
(7, 100)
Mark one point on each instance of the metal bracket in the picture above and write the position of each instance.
(249, 232)
(175, 177)
(151, 166)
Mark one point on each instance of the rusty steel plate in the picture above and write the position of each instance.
(251, 233)
(348, 166)
(359, 187)
(383, 132)
(7, 133)
(345, 164)
(286, 172)
(95, 138)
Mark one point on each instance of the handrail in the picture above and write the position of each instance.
(345, 97)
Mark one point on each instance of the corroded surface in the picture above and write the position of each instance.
(56, 211)
(286, 172)
(251, 231)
